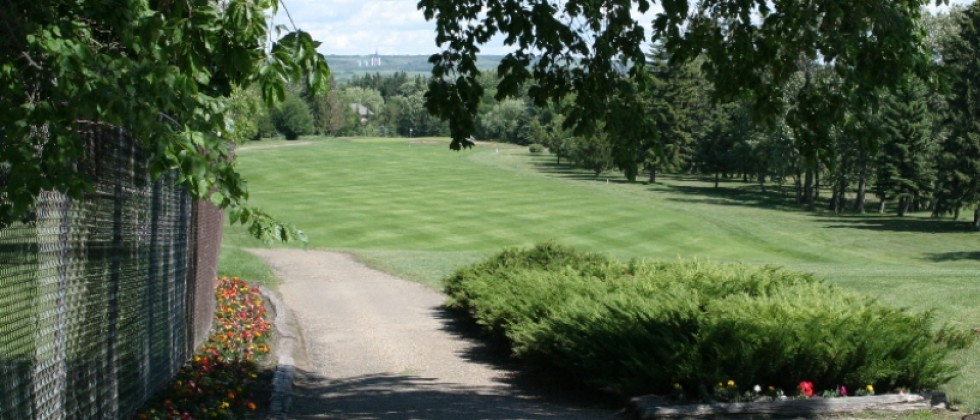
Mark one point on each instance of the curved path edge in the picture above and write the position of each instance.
(288, 342)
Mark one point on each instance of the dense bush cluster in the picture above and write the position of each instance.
(535, 148)
(653, 327)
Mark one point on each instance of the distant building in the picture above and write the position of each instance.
(370, 61)
(363, 113)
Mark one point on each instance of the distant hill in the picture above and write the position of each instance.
(344, 67)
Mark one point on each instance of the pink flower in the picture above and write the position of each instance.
(806, 388)
(843, 391)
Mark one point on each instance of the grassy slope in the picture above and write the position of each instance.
(419, 210)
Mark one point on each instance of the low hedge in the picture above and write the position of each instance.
(656, 327)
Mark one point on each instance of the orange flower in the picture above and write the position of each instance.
(251, 406)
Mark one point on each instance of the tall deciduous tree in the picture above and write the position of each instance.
(959, 170)
(162, 69)
(330, 114)
(818, 107)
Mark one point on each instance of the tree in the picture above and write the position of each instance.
(292, 117)
(593, 153)
(959, 162)
(774, 154)
(673, 101)
(905, 165)
(413, 120)
(721, 146)
(504, 121)
(163, 70)
(556, 138)
(750, 48)
(819, 105)
(245, 110)
(628, 125)
(330, 115)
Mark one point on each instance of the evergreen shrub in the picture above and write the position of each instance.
(535, 148)
(648, 326)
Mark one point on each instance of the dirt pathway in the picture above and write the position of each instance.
(377, 346)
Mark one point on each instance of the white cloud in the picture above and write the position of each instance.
(360, 27)
(352, 27)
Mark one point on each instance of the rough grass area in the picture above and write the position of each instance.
(419, 210)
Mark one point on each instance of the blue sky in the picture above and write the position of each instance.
(361, 27)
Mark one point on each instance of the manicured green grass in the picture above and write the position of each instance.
(412, 207)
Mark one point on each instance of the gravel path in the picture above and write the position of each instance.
(376, 346)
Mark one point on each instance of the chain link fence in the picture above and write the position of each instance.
(103, 298)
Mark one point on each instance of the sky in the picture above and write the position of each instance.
(390, 27)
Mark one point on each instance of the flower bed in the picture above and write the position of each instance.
(220, 381)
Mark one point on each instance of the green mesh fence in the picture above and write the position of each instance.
(103, 298)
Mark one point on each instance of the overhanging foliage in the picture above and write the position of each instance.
(161, 69)
(751, 48)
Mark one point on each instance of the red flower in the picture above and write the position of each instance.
(806, 388)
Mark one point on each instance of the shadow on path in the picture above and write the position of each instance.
(386, 396)
(524, 394)
(526, 380)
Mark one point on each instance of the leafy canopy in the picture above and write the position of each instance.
(751, 48)
(162, 69)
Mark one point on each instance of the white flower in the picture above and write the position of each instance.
(757, 389)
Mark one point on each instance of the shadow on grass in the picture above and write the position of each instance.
(729, 193)
(737, 194)
(895, 224)
(700, 190)
(549, 167)
(953, 256)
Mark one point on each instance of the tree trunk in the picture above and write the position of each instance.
(976, 218)
(797, 182)
(717, 176)
(881, 207)
(835, 199)
(762, 183)
(842, 198)
(653, 174)
(808, 196)
(816, 185)
(862, 190)
(903, 205)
